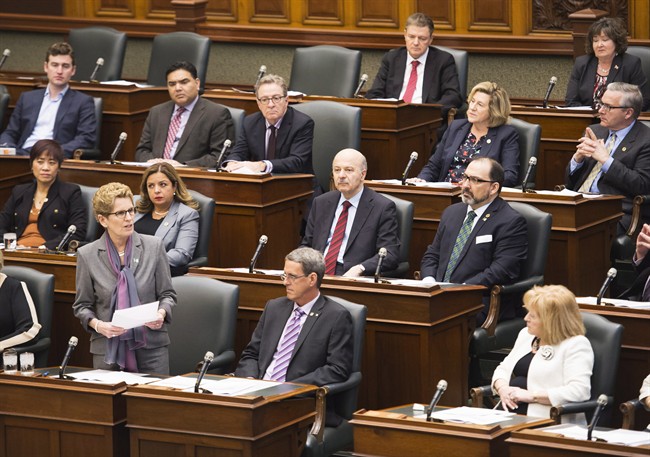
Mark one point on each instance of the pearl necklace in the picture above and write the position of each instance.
(160, 213)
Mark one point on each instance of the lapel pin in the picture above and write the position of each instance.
(166, 224)
(616, 67)
(485, 218)
(489, 141)
(624, 149)
(136, 260)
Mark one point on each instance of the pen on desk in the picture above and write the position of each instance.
(497, 405)
(45, 374)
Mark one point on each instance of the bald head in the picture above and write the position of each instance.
(349, 170)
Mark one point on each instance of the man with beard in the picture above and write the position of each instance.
(481, 240)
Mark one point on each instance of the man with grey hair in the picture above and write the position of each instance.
(276, 139)
(613, 157)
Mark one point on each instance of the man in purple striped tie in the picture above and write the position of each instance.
(303, 337)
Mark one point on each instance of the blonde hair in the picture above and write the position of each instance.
(558, 312)
(499, 107)
(104, 198)
(181, 194)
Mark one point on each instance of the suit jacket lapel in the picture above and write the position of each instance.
(63, 108)
(617, 64)
(459, 137)
(283, 132)
(492, 208)
(136, 253)
(428, 78)
(400, 68)
(366, 204)
(312, 317)
(627, 143)
(275, 333)
(169, 221)
(195, 116)
(328, 219)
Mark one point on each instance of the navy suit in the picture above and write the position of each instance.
(374, 227)
(293, 153)
(75, 125)
(493, 254)
(500, 144)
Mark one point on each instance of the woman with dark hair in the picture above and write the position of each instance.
(605, 62)
(166, 210)
(40, 212)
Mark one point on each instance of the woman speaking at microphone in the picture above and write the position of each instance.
(121, 270)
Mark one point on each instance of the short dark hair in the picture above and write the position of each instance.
(614, 28)
(419, 20)
(182, 65)
(497, 174)
(60, 49)
(50, 147)
(310, 260)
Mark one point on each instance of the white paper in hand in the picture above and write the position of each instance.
(136, 316)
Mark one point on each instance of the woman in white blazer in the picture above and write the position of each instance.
(551, 362)
(644, 394)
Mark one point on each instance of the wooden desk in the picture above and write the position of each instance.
(247, 207)
(395, 432)
(52, 417)
(15, 170)
(580, 236)
(271, 422)
(414, 335)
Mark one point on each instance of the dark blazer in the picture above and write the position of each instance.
(625, 68)
(293, 153)
(75, 125)
(629, 174)
(374, 227)
(64, 207)
(635, 292)
(486, 263)
(440, 82)
(500, 144)
(207, 128)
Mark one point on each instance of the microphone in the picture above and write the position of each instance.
(207, 360)
(440, 389)
(99, 64)
(551, 85)
(6, 53)
(412, 159)
(602, 402)
(226, 145)
(72, 343)
(362, 81)
(66, 237)
(260, 245)
(531, 166)
(611, 274)
(382, 256)
(260, 74)
(118, 146)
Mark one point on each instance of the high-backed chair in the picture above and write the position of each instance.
(643, 53)
(206, 216)
(325, 70)
(169, 48)
(462, 65)
(91, 43)
(203, 320)
(4, 104)
(529, 136)
(87, 194)
(41, 288)
(489, 341)
(322, 440)
(337, 126)
(238, 116)
(95, 152)
(405, 223)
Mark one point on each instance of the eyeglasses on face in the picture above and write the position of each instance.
(473, 179)
(607, 108)
(275, 98)
(122, 214)
(291, 277)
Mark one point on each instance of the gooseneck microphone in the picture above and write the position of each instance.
(611, 274)
(226, 145)
(72, 343)
(260, 245)
(5, 54)
(382, 255)
(601, 403)
(66, 237)
(362, 81)
(99, 64)
(440, 389)
(260, 74)
(207, 360)
(118, 147)
(531, 166)
(549, 89)
(412, 159)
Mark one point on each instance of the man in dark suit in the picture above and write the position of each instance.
(481, 240)
(640, 288)
(278, 138)
(187, 129)
(370, 221)
(433, 79)
(614, 157)
(54, 113)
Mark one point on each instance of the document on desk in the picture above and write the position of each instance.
(615, 302)
(136, 316)
(113, 377)
(467, 415)
(618, 436)
(236, 386)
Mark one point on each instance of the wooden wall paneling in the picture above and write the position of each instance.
(443, 12)
(222, 10)
(639, 20)
(379, 14)
(113, 8)
(323, 12)
(490, 16)
(159, 9)
(271, 11)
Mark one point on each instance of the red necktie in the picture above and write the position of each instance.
(173, 131)
(413, 82)
(337, 240)
(270, 147)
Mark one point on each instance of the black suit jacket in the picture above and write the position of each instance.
(493, 254)
(64, 207)
(500, 144)
(293, 153)
(635, 292)
(374, 227)
(208, 126)
(440, 82)
(625, 68)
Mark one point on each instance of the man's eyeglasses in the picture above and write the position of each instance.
(275, 98)
(607, 108)
(122, 214)
(473, 179)
(291, 277)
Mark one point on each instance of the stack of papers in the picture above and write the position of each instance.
(136, 316)
(112, 377)
(618, 436)
(615, 302)
(467, 415)
(226, 386)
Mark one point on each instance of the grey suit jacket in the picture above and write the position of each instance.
(207, 128)
(179, 232)
(96, 282)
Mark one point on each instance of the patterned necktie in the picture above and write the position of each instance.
(413, 82)
(286, 346)
(594, 171)
(461, 239)
(337, 240)
(270, 148)
(173, 131)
